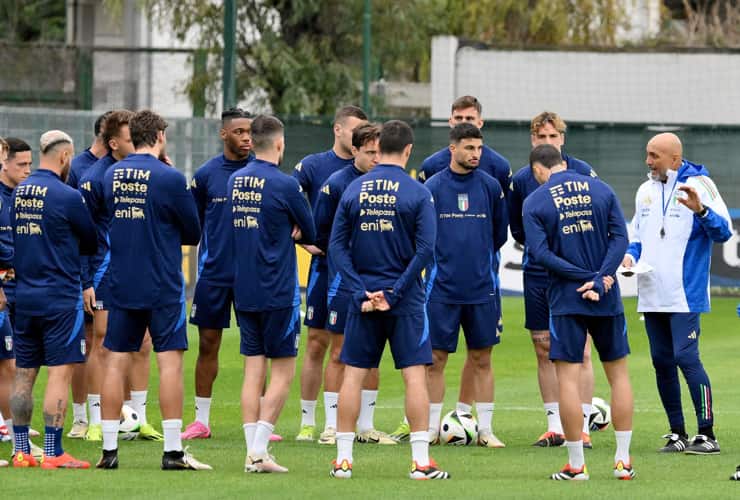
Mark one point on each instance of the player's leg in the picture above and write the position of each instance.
(366, 431)
(138, 377)
(436, 388)
(349, 410)
(7, 373)
(333, 374)
(587, 392)
(444, 326)
(64, 346)
(566, 350)
(79, 389)
(96, 367)
(658, 328)
(609, 336)
(29, 356)
(317, 343)
(686, 330)
(466, 396)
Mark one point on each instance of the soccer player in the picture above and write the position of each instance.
(736, 475)
(268, 213)
(546, 128)
(214, 296)
(382, 238)
(152, 215)
(80, 164)
(366, 155)
(575, 230)
(96, 287)
(679, 214)
(51, 228)
(311, 174)
(461, 283)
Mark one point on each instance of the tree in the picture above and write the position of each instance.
(32, 20)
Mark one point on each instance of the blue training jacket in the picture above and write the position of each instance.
(51, 228)
(491, 162)
(80, 164)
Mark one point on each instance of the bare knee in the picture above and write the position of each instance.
(480, 359)
(541, 342)
(439, 360)
(317, 344)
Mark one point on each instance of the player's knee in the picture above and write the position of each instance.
(688, 358)
(317, 344)
(480, 359)
(439, 360)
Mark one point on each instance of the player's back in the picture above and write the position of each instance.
(264, 205)
(91, 185)
(152, 215)
(51, 228)
(209, 189)
(385, 207)
(328, 201)
(6, 233)
(313, 170)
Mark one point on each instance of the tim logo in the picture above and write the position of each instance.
(333, 318)
(367, 186)
(462, 202)
(557, 190)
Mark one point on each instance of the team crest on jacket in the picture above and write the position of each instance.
(309, 312)
(333, 318)
(8, 343)
(462, 202)
(83, 347)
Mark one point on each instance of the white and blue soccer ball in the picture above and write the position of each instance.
(129, 424)
(601, 415)
(458, 429)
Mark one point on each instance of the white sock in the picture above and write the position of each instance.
(435, 415)
(575, 453)
(203, 410)
(420, 448)
(261, 438)
(586, 408)
(138, 403)
(463, 407)
(552, 410)
(128, 403)
(331, 401)
(623, 446)
(249, 431)
(485, 415)
(345, 440)
(79, 410)
(308, 412)
(110, 434)
(93, 401)
(171, 429)
(9, 425)
(367, 411)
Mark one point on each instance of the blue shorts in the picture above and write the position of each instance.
(103, 294)
(318, 284)
(479, 323)
(273, 334)
(536, 305)
(568, 337)
(338, 307)
(127, 327)
(52, 340)
(365, 335)
(212, 305)
(6, 336)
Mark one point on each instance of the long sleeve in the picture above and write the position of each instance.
(323, 215)
(83, 226)
(185, 212)
(500, 220)
(426, 234)
(199, 190)
(618, 240)
(634, 249)
(340, 252)
(515, 202)
(717, 222)
(300, 212)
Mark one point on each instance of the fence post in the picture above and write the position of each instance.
(84, 79)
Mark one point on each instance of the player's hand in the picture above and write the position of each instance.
(608, 283)
(88, 300)
(296, 233)
(587, 291)
(313, 249)
(691, 200)
(367, 306)
(627, 261)
(378, 299)
(3, 300)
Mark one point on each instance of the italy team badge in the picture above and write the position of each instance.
(462, 202)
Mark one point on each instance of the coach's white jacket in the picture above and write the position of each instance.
(681, 257)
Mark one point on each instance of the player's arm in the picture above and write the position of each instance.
(534, 226)
(72, 179)
(618, 240)
(515, 202)
(340, 252)
(504, 176)
(425, 237)
(82, 225)
(184, 211)
(323, 216)
(6, 256)
(199, 191)
(500, 217)
(715, 220)
(300, 213)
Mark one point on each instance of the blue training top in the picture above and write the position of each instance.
(491, 162)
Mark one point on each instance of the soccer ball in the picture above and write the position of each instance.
(129, 424)
(458, 428)
(601, 414)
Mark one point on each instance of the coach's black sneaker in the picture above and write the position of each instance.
(182, 460)
(736, 475)
(675, 444)
(109, 460)
(702, 445)
(550, 439)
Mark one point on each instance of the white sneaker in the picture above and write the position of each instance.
(79, 430)
(433, 438)
(328, 437)
(488, 439)
(341, 471)
(374, 436)
(265, 464)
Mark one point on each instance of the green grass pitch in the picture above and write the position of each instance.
(518, 471)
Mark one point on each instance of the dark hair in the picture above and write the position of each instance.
(546, 155)
(100, 123)
(16, 145)
(144, 127)
(232, 114)
(113, 123)
(347, 112)
(464, 131)
(265, 129)
(395, 136)
(467, 101)
(365, 133)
